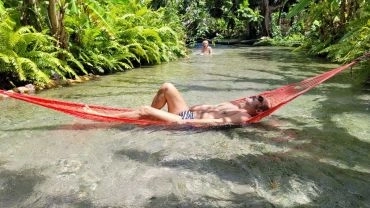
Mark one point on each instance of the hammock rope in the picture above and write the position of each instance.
(277, 98)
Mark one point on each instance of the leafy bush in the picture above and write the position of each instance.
(31, 56)
(129, 34)
(356, 40)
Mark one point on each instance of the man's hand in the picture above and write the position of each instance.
(87, 109)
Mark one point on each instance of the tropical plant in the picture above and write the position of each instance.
(336, 29)
(211, 19)
(118, 35)
(286, 32)
(355, 41)
(146, 36)
(31, 56)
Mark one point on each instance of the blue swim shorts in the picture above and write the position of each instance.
(186, 115)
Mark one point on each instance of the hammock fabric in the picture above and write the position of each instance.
(277, 98)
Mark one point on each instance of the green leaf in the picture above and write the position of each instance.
(299, 7)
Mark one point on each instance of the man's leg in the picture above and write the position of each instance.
(154, 113)
(142, 112)
(168, 94)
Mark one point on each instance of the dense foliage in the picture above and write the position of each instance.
(68, 38)
(84, 37)
(335, 29)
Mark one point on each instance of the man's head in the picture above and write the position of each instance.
(205, 43)
(256, 104)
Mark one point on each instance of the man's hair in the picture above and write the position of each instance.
(264, 107)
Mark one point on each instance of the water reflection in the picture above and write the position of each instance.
(312, 152)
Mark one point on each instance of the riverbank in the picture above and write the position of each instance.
(30, 88)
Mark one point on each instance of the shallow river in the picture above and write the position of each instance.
(313, 152)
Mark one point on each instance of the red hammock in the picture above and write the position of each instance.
(277, 97)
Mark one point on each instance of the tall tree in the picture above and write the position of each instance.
(30, 15)
(56, 11)
(267, 9)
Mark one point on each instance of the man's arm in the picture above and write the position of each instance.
(237, 118)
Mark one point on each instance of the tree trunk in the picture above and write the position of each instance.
(53, 17)
(29, 14)
(266, 12)
(353, 6)
(56, 16)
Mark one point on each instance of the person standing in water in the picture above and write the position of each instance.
(206, 49)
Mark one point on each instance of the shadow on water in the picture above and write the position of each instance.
(282, 172)
(272, 171)
(123, 127)
(17, 186)
(236, 201)
(234, 172)
(278, 54)
(73, 127)
(63, 201)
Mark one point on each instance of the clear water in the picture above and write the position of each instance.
(313, 152)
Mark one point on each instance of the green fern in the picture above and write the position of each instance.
(32, 55)
(129, 32)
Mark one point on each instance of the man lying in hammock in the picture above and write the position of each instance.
(180, 113)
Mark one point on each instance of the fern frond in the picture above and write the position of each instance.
(28, 69)
(138, 50)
